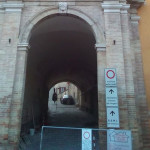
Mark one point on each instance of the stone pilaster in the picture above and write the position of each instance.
(130, 89)
(114, 53)
(18, 94)
(141, 103)
(101, 65)
(8, 51)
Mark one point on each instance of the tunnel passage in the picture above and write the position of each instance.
(65, 112)
(62, 48)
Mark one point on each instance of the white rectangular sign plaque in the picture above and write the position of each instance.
(111, 97)
(110, 77)
(86, 139)
(112, 117)
(119, 139)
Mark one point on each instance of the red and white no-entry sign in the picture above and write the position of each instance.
(86, 139)
(110, 77)
(86, 135)
(110, 74)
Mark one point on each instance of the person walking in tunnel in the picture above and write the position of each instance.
(54, 97)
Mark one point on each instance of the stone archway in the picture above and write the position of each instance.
(96, 29)
(22, 55)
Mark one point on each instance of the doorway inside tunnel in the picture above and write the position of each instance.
(62, 49)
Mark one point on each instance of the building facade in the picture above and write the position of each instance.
(144, 31)
(45, 42)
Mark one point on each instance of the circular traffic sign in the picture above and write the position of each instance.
(86, 135)
(110, 74)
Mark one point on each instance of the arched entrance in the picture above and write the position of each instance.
(41, 70)
(62, 48)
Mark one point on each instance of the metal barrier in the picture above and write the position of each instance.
(66, 138)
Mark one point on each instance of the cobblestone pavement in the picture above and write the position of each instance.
(69, 116)
(61, 116)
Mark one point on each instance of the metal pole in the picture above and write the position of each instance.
(41, 138)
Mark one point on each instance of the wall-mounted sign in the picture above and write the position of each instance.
(111, 97)
(86, 139)
(119, 139)
(113, 117)
(110, 77)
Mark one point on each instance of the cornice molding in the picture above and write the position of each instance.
(135, 19)
(100, 47)
(12, 7)
(136, 3)
(113, 8)
(125, 8)
(23, 47)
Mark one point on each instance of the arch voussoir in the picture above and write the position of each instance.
(97, 31)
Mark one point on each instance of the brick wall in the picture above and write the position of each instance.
(119, 52)
(9, 31)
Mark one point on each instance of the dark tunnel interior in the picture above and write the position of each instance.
(62, 48)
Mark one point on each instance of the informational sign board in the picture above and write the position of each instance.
(119, 140)
(110, 77)
(113, 117)
(86, 139)
(111, 97)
